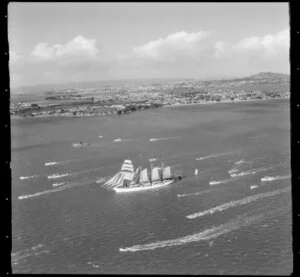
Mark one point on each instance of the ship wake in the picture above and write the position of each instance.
(166, 138)
(213, 156)
(28, 177)
(50, 163)
(235, 176)
(239, 202)
(57, 176)
(252, 171)
(207, 234)
(195, 193)
(61, 175)
(33, 251)
(212, 183)
(274, 178)
(59, 188)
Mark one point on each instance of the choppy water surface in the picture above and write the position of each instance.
(233, 218)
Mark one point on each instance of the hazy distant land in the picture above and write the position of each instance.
(88, 99)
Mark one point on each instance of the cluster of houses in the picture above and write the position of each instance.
(125, 99)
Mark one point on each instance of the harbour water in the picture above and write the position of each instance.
(225, 220)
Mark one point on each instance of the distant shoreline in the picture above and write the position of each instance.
(120, 100)
(64, 116)
(227, 102)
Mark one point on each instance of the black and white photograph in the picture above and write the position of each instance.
(150, 138)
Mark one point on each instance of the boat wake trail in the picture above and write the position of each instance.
(44, 192)
(207, 234)
(50, 163)
(166, 138)
(28, 177)
(60, 188)
(239, 202)
(121, 140)
(33, 251)
(213, 156)
(56, 176)
(212, 183)
(252, 171)
(194, 193)
(58, 184)
(236, 176)
(274, 178)
(86, 171)
(242, 162)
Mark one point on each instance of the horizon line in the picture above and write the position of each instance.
(144, 79)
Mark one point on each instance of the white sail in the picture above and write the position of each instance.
(144, 176)
(137, 175)
(115, 180)
(137, 170)
(127, 166)
(127, 169)
(112, 179)
(128, 176)
(155, 176)
(167, 174)
(119, 181)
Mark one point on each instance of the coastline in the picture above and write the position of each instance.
(227, 102)
(71, 116)
(124, 99)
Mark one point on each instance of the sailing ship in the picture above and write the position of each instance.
(130, 180)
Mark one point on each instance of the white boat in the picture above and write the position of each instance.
(58, 184)
(80, 144)
(50, 163)
(214, 182)
(196, 172)
(56, 176)
(128, 180)
(267, 179)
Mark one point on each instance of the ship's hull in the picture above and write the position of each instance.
(143, 187)
(76, 145)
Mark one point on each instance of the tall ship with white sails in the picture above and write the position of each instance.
(130, 180)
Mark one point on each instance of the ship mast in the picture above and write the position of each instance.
(151, 166)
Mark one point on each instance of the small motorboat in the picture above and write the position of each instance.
(80, 144)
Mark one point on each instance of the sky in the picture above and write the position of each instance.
(79, 42)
